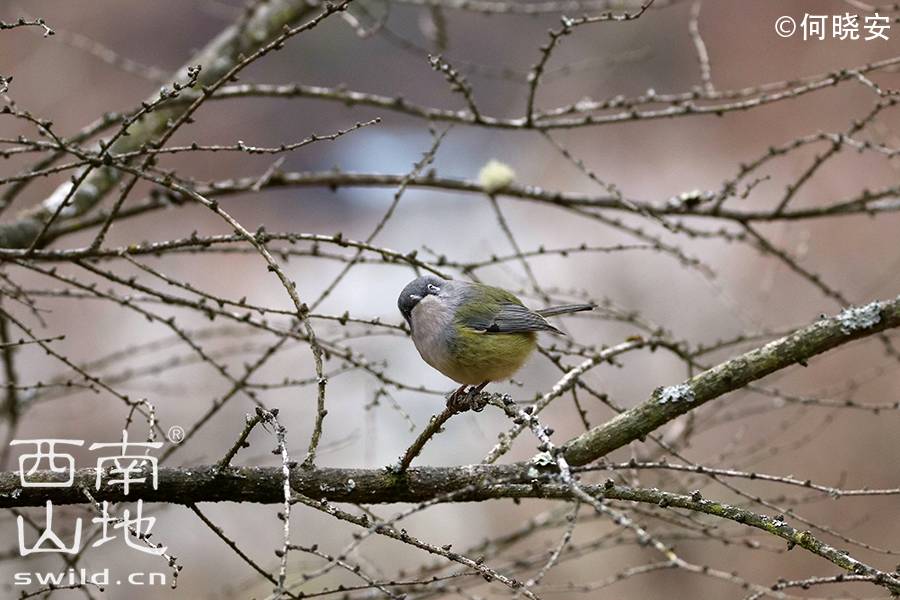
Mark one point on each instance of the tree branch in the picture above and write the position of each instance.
(224, 52)
(668, 403)
(191, 485)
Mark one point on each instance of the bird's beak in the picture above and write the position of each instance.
(415, 297)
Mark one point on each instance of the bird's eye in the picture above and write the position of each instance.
(433, 288)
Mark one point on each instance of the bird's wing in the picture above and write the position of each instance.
(510, 318)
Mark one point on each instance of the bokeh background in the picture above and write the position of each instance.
(63, 79)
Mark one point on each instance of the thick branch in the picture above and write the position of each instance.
(187, 485)
(668, 403)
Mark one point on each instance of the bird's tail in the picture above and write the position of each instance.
(566, 308)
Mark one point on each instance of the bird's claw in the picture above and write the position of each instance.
(463, 399)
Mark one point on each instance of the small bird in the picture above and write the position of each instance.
(471, 332)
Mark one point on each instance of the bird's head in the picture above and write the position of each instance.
(415, 291)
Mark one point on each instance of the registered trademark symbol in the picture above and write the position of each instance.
(175, 434)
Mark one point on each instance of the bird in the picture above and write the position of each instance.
(471, 332)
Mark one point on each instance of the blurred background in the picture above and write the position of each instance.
(84, 71)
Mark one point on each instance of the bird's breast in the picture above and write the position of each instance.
(432, 332)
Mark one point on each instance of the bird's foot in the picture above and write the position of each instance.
(454, 397)
(463, 399)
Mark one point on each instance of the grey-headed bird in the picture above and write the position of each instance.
(471, 332)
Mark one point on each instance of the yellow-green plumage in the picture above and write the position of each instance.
(484, 357)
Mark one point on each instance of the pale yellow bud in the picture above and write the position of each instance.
(495, 176)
